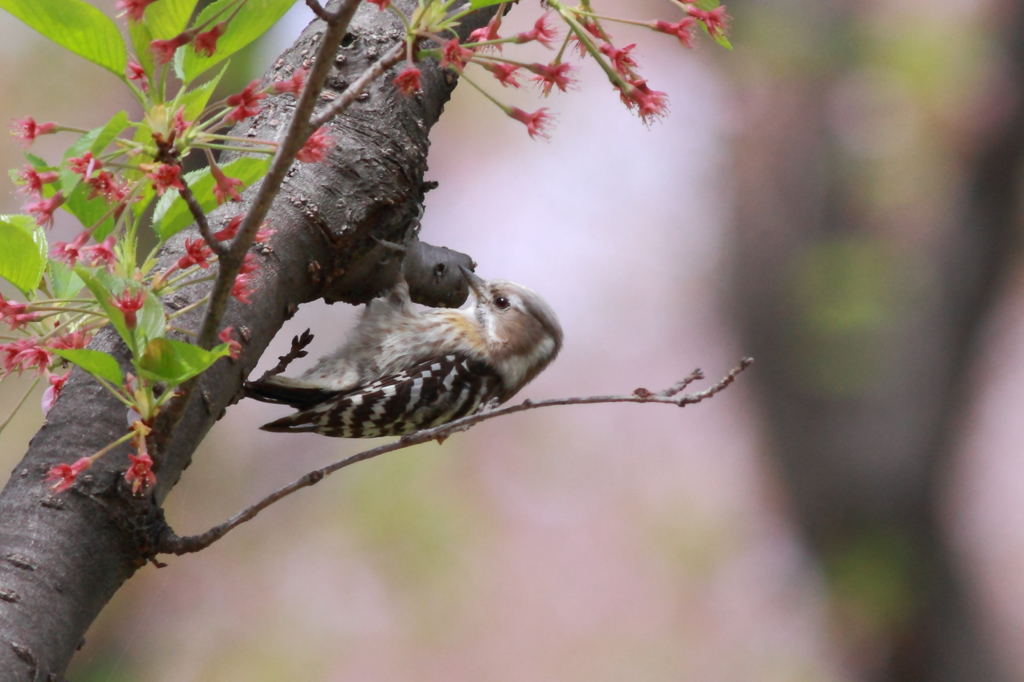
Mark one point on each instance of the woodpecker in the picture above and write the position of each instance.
(403, 369)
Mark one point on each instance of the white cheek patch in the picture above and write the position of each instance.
(544, 349)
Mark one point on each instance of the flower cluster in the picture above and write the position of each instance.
(584, 29)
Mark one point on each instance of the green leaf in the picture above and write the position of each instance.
(89, 211)
(64, 283)
(76, 25)
(104, 291)
(477, 4)
(172, 214)
(143, 135)
(38, 163)
(146, 197)
(95, 363)
(152, 320)
(23, 250)
(97, 139)
(175, 362)
(252, 21)
(195, 99)
(107, 133)
(141, 37)
(69, 180)
(707, 6)
(78, 203)
(82, 144)
(167, 18)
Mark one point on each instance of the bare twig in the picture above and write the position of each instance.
(359, 85)
(172, 544)
(200, 217)
(319, 10)
(297, 351)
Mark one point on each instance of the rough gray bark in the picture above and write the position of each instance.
(862, 459)
(63, 557)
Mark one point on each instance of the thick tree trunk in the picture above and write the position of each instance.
(63, 557)
(863, 336)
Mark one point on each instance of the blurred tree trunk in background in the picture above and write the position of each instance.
(876, 182)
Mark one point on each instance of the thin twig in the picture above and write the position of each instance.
(319, 10)
(297, 351)
(200, 217)
(359, 85)
(173, 544)
(20, 403)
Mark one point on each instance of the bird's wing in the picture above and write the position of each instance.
(428, 394)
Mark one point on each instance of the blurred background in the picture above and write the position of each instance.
(838, 197)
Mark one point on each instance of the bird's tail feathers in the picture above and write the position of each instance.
(287, 391)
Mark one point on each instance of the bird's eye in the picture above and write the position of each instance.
(500, 302)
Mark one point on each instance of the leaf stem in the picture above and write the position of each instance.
(20, 403)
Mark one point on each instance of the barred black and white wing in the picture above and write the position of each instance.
(429, 394)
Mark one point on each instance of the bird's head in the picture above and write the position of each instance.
(521, 330)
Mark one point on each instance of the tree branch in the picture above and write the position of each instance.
(200, 217)
(297, 351)
(298, 131)
(173, 544)
(88, 541)
(357, 88)
(318, 10)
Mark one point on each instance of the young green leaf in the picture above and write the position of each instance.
(76, 25)
(97, 139)
(95, 363)
(141, 37)
(38, 163)
(64, 283)
(252, 21)
(172, 214)
(144, 135)
(69, 180)
(707, 6)
(477, 4)
(174, 362)
(89, 211)
(167, 18)
(195, 99)
(117, 123)
(104, 292)
(78, 203)
(23, 250)
(152, 321)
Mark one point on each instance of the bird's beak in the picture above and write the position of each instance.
(475, 283)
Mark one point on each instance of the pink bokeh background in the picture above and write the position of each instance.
(578, 543)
